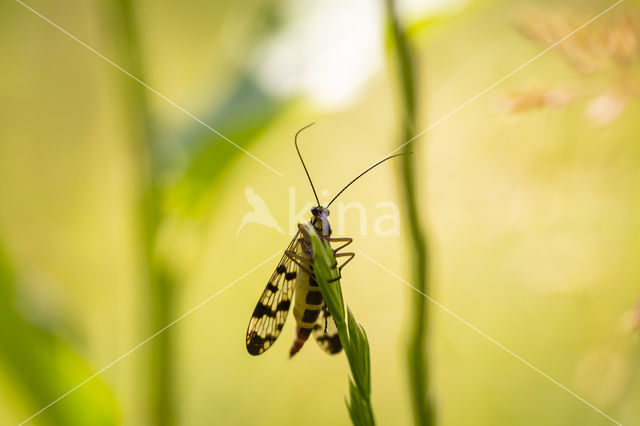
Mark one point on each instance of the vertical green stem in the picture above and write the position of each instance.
(352, 335)
(418, 360)
(159, 284)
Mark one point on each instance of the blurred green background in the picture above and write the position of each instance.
(118, 212)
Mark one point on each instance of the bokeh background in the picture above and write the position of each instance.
(119, 212)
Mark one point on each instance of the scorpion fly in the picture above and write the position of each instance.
(295, 274)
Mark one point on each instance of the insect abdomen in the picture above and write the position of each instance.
(308, 303)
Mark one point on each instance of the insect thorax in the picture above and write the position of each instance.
(320, 221)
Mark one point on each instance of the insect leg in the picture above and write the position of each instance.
(301, 261)
(326, 317)
(304, 232)
(350, 256)
(346, 242)
(307, 237)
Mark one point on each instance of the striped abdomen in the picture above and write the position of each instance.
(306, 308)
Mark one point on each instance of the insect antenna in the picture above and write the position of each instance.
(363, 173)
(302, 161)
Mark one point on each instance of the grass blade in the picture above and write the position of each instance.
(352, 335)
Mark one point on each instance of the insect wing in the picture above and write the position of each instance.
(271, 312)
(326, 332)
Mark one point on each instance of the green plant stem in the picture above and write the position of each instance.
(418, 360)
(352, 335)
(159, 284)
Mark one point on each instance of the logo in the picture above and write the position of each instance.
(386, 223)
(260, 214)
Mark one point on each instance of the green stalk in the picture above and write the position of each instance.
(159, 284)
(418, 360)
(352, 335)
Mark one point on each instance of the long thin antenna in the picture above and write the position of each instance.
(362, 174)
(302, 161)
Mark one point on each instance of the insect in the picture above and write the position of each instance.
(294, 274)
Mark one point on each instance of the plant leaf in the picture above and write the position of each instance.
(352, 335)
(43, 367)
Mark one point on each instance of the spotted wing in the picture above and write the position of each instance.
(326, 332)
(271, 312)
